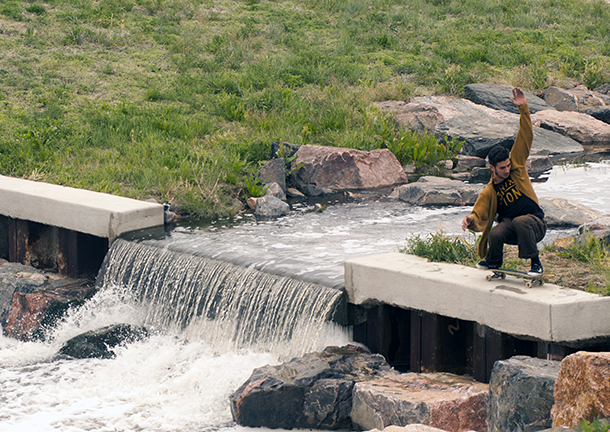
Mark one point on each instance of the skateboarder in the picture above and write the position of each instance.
(511, 196)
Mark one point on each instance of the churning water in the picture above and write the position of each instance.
(212, 323)
(214, 316)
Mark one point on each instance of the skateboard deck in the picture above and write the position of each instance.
(530, 280)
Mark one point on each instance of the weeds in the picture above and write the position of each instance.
(596, 255)
(595, 426)
(438, 247)
(422, 150)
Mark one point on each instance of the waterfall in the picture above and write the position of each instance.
(229, 306)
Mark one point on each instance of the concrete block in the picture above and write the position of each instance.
(98, 214)
(548, 313)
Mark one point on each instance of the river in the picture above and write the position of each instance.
(175, 382)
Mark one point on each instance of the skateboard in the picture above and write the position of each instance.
(530, 280)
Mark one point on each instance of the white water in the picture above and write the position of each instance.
(164, 383)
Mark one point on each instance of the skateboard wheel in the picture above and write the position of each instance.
(503, 276)
(528, 284)
(489, 277)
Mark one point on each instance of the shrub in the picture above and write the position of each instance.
(441, 248)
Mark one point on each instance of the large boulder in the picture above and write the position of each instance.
(580, 127)
(576, 99)
(480, 134)
(310, 392)
(498, 97)
(32, 313)
(346, 169)
(582, 389)
(560, 212)
(100, 343)
(445, 401)
(521, 394)
(437, 191)
(422, 114)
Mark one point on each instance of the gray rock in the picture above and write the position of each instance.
(99, 343)
(603, 89)
(294, 193)
(434, 191)
(312, 190)
(310, 392)
(284, 150)
(521, 394)
(274, 171)
(274, 189)
(480, 175)
(269, 207)
(538, 164)
(599, 227)
(466, 163)
(601, 114)
(563, 213)
(498, 97)
(480, 134)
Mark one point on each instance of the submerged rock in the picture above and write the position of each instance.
(310, 392)
(521, 394)
(99, 343)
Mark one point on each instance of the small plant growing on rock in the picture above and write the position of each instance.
(595, 426)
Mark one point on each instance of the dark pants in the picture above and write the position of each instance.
(525, 231)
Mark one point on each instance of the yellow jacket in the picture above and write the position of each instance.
(485, 208)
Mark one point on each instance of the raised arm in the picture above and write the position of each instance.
(525, 136)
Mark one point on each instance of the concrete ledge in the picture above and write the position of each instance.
(549, 313)
(80, 210)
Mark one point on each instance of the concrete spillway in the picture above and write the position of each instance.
(429, 316)
(64, 228)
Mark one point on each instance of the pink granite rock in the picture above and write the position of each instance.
(582, 389)
(576, 99)
(445, 401)
(423, 113)
(343, 169)
(583, 128)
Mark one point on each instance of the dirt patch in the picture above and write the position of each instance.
(569, 273)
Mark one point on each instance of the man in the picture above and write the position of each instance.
(511, 196)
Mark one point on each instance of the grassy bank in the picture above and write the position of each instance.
(181, 100)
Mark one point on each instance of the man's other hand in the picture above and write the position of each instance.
(466, 222)
(518, 97)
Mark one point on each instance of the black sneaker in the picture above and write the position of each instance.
(536, 269)
(484, 265)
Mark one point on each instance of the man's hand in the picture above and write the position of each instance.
(518, 97)
(466, 222)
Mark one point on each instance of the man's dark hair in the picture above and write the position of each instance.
(497, 154)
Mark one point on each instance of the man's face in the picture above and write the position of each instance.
(500, 171)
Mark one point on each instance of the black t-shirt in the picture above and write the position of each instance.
(512, 202)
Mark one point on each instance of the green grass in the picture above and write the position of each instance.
(438, 247)
(181, 99)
